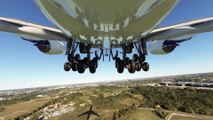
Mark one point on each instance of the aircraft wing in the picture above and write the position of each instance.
(23, 28)
(94, 113)
(182, 30)
(85, 113)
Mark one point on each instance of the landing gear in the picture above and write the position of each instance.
(67, 66)
(145, 66)
(120, 65)
(77, 57)
(93, 66)
(74, 60)
(138, 67)
(74, 67)
(137, 63)
(135, 57)
(80, 64)
(131, 67)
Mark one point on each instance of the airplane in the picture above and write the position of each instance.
(92, 30)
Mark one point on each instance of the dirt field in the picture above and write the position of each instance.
(15, 110)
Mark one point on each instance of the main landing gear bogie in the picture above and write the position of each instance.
(81, 65)
(75, 63)
(136, 63)
(133, 65)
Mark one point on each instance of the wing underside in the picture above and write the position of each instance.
(29, 29)
(180, 30)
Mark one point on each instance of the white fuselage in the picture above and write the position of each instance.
(91, 20)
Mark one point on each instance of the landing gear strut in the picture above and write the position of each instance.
(75, 63)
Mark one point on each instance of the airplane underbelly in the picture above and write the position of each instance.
(90, 20)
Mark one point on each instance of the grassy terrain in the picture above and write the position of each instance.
(133, 100)
(188, 100)
(75, 115)
(12, 111)
(178, 117)
(142, 115)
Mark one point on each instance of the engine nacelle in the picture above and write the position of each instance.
(163, 46)
(50, 47)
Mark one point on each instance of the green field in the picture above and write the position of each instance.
(142, 115)
(75, 115)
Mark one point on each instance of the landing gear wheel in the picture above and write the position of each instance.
(92, 66)
(86, 61)
(120, 66)
(77, 57)
(70, 58)
(67, 66)
(80, 67)
(116, 62)
(131, 66)
(138, 66)
(127, 60)
(142, 58)
(135, 57)
(145, 66)
(74, 67)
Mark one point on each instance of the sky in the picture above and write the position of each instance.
(23, 66)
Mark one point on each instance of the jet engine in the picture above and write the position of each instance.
(50, 47)
(163, 46)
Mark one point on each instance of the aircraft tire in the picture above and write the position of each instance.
(70, 58)
(77, 57)
(74, 67)
(127, 60)
(117, 62)
(145, 66)
(135, 57)
(86, 61)
(80, 67)
(92, 66)
(138, 66)
(142, 58)
(67, 66)
(131, 66)
(120, 66)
